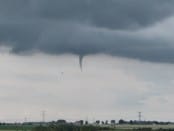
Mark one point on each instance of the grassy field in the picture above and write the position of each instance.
(154, 127)
(116, 127)
(15, 128)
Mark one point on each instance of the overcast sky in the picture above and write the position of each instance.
(127, 48)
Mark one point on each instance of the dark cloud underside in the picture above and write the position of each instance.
(85, 27)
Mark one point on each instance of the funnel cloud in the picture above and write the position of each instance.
(81, 62)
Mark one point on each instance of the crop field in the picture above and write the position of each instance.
(114, 128)
(128, 126)
(154, 127)
(15, 128)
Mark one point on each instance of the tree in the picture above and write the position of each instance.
(113, 122)
(86, 122)
(106, 122)
(97, 122)
(61, 121)
(121, 121)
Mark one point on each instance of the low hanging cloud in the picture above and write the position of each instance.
(113, 27)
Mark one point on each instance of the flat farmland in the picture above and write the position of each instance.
(15, 128)
(154, 127)
(125, 127)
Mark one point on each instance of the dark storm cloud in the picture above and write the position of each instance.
(114, 14)
(85, 27)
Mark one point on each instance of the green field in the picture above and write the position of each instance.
(15, 128)
(114, 128)
(154, 127)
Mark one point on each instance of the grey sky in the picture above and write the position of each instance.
(108, 88)
(128, 66)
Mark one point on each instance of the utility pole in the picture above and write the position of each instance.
(25, 120)
(43, 116)
(139, 116)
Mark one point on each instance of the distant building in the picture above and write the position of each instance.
(79, 123)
